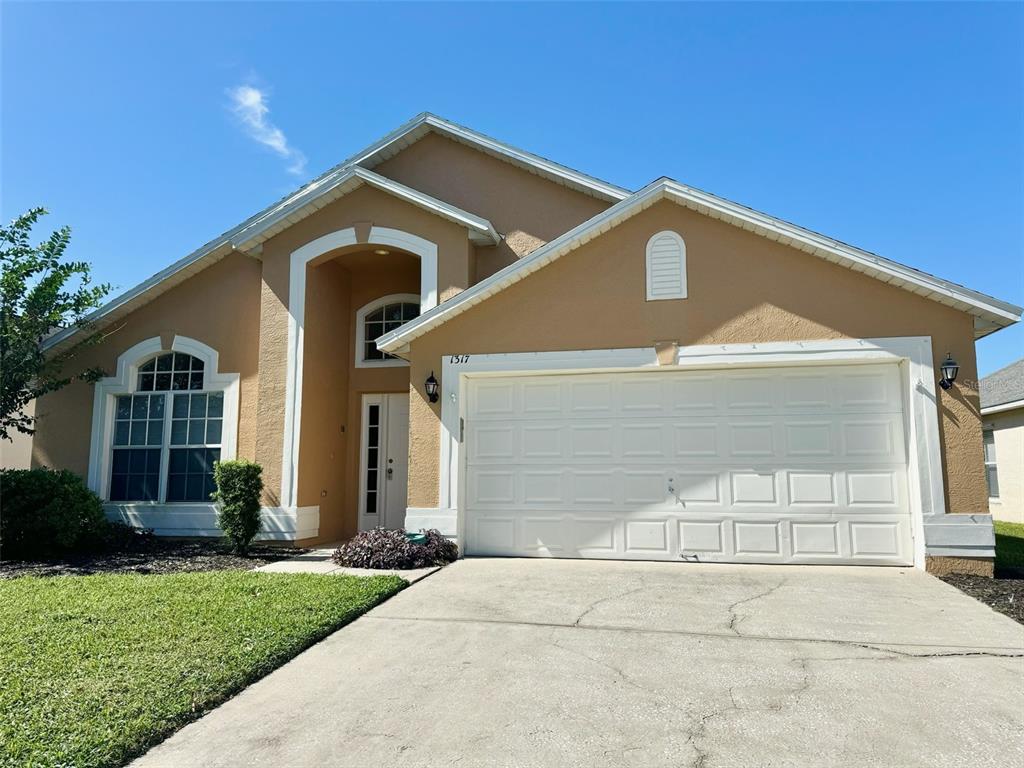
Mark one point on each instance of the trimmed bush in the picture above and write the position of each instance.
(239, 488)
(392, 549)
(47, 513)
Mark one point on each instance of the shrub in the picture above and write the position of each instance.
(48, 513)
(392, 549)
(239, 487)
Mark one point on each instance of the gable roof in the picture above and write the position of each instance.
(1004, 387)
(990, 313)
(311, 199)
(312, 196)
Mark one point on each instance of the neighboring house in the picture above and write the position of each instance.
(1002, 421)
(659, 374)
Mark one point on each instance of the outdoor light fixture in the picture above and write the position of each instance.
(430, 385)
(382, 251)
(950, 368)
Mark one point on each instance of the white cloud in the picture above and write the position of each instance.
(250, 106)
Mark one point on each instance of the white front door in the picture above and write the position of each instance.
(766, 465)
(384, 466)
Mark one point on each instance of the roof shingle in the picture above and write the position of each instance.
(1004, 386)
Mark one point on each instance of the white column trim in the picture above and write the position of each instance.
(300, 258)
(913, 353)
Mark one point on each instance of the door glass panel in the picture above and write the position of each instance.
(372, 457)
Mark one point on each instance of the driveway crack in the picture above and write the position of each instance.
(607, 599)
(735, 618)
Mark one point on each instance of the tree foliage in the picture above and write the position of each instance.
(40, 293)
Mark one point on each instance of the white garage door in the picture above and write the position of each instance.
(767, 465)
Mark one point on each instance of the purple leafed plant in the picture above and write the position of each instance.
(392, 549)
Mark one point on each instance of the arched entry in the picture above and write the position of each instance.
(300, 259)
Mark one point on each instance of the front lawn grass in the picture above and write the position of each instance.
(1009, 544)
(96, 669)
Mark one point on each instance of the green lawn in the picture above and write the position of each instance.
(1009, 544)
(96, 669)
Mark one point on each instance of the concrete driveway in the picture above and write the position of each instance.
(575, 663)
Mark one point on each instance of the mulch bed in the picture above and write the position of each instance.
(1004, 593)
(154, 556)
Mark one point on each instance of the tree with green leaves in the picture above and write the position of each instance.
(40, 293)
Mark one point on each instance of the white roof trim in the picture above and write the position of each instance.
(1010, 406)
(426, 122)
(305, 203)
(992, 312)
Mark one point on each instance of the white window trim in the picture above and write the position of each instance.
(361, 339)
(300, 259)
(681, 294)
(990, 464)
(912, 353)
(125, 382)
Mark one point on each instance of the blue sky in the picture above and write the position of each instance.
(897, 128)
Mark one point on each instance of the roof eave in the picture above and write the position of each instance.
(995, 313)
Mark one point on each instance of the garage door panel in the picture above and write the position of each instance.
(779, 465)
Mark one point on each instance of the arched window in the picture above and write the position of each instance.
(163, 422)
(666, 266)
(377, 318)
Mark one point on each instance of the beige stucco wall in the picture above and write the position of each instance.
(1008, 431)
(742, 288)
(17, 452)
(218, 306)
(525, 208)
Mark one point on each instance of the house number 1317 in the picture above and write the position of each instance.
(459, 359)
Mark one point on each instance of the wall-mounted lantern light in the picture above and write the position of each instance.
(950, 368)
(430, 386)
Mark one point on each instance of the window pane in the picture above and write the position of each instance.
(156, 406)
(164, 362)
(989, 440)
(148, 366)
(196, 381)
(121, 462)
(179, 432)
(376, 316)
(156, 433)
(371, 503)
(213, 429)
(180, 406)
(163, 382)
(196, 431)
(197, 364)
(140, 407)
(370, 352)
(393, 312)
(124, 406)
(138, 433)
(410, 312)
(145, 382)
(216, 405)
(180, 381)
(121, 430)
(181, 361)
(374, 415)
(993, 482)
(197, 409)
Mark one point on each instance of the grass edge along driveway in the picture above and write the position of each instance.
(97, 669)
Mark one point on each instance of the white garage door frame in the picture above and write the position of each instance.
(913, 354)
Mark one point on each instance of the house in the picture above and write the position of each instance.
(446, 331)
(1002, 421)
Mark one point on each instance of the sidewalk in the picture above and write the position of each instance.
(319, 561)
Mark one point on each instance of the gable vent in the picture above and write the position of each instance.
(666, 267)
